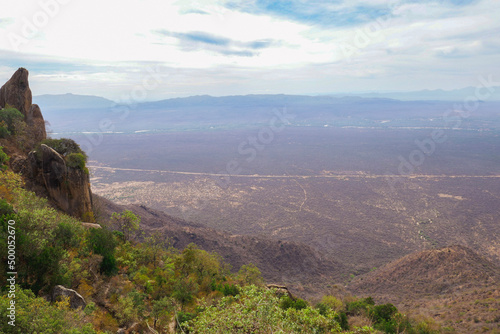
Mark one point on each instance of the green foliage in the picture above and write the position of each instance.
(127, 223)
(101, 241)
(227, 289)
(5, 208)
(4, 158)
(8, 118)
(36, 315)
(63, 146)
(383, 313)
(257, 310)
(76, 160)
(297, 303)
(156, 283)
(359, 307)
(250, 274)
(66, 235)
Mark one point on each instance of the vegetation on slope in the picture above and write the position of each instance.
(142, 285)
(147, 286)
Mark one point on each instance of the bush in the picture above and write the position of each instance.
(102, 242)
(381, 313)
(63, 146)
(8, 118)
(76, 160)
(228, 289)
(4, 131)
(36, 315)
(5, 208)
(297, 304)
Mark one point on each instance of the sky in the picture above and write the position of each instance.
(157, 49)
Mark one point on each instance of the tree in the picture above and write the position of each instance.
(126, 222)
(102, 242)
(250, 274)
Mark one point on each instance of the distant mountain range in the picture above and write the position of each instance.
(205, 112)
(436, 95)
(73, 101)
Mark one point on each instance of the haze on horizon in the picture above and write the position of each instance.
(225, 47)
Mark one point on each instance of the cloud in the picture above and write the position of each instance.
(197, 40)
(194, 11)
(316, 12)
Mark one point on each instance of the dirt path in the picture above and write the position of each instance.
(336, 176)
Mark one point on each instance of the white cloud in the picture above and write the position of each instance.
(100, 42)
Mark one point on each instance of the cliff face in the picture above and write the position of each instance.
(17, 93)
(67, 187)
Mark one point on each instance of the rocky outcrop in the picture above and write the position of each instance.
(75, 299)
(67, 186)
(17, 93)
(36, 123)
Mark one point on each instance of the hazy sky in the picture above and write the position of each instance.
(153, 49)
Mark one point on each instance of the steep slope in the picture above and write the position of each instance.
(281, 262)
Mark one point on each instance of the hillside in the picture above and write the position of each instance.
(454, 284)
(304, 270)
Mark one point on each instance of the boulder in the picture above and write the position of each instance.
(17, 93)
(36, 123)
(68, 187)
(75, 299)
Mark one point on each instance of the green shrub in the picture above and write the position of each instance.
(36, 315)
(359, 307)
(381, 313)
(5, 208)
(65, 235)
(102, 242)
(63, 146)
(76, 160)
(4, 131)
(228, 289)
(8, 118)
(287, 302)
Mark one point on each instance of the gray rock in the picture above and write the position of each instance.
(75, 299)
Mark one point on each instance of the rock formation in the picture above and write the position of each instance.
(68, 187)
(17, 93)
(75, 299)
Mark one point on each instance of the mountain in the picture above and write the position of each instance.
(455, 285)
(72, 101)
(208, 113)
(431, 272)
(437, 94)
